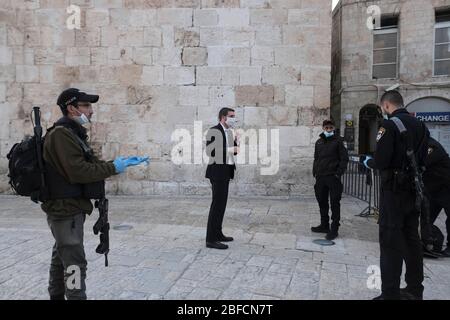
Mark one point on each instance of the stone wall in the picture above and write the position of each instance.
(160, 65)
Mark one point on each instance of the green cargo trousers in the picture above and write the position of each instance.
(68, 263)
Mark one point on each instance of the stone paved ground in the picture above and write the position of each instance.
(163, 256)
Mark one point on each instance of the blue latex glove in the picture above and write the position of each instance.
(134, 161)
(120, 165)
(367, 160)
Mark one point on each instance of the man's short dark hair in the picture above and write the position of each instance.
(394, 97)
(328, 122)
(224, 112)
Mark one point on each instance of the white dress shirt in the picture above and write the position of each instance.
(230, 145)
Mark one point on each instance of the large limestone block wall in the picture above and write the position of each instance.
(160, 65)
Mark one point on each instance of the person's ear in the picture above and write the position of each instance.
(71, 108)
(389, 107)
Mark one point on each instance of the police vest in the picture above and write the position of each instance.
(57, 185)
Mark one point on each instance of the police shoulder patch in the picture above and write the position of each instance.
(430, 150)
(381, 133)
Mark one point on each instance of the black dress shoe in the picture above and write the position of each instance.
(225, 239)
(216, 245)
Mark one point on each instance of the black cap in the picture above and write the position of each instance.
(73, 96)
(327, 123)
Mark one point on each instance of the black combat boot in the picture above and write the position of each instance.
(333, 234)
(322, 228)
(406, 294)
(58, 297)
(446, 252)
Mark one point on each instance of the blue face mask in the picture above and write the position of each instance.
(82, 119)
(328, 134)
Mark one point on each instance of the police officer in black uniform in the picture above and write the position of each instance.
(399, 219)
(437, 184)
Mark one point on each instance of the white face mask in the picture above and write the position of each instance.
(328, 134)
(231, 122)
(82, 119)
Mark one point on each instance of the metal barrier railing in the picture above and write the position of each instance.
(363, 184)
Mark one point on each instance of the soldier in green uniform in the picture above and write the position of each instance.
(74, 176)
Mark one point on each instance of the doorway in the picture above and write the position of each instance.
(370, 118)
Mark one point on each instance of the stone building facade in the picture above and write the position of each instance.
(408, 48)
(160, 65)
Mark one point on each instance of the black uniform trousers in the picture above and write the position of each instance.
(438, 201)
(399, 240)
(217, 209)
(329, 187)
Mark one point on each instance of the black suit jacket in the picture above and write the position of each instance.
(217, 168)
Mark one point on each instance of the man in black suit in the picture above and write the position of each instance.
(221, 147)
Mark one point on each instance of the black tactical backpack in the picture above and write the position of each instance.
(26, 165)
